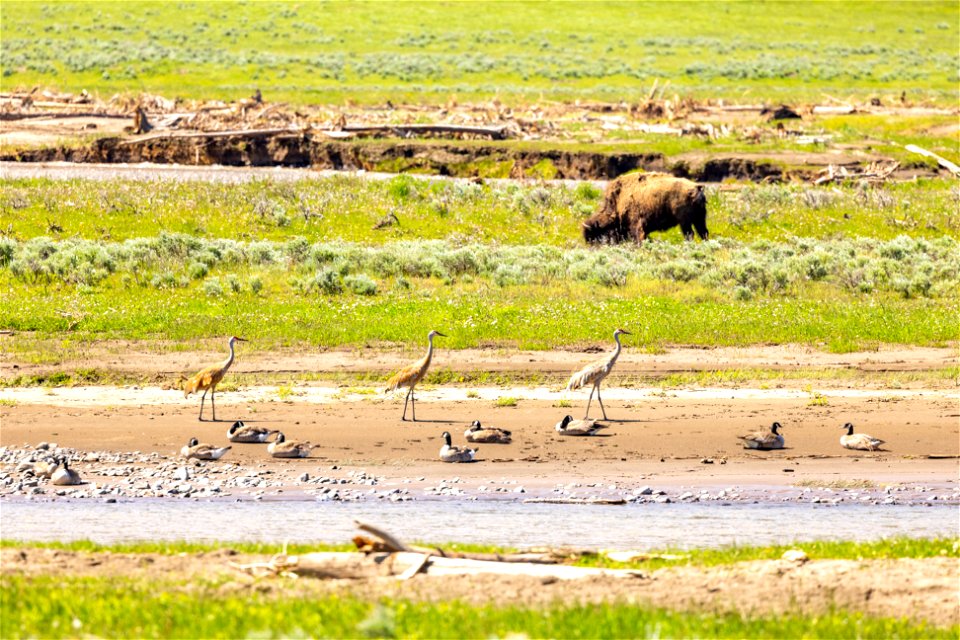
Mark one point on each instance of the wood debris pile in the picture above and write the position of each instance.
(874, 172)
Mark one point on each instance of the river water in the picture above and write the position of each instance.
(631, 526)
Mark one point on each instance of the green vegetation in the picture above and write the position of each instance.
(897, 547)
(64, 607)
(846, 268)
(522, 51)
(345, 208)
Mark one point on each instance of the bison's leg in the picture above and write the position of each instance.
(687, 231)
(701, 227)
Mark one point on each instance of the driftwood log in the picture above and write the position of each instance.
(405, 564)
(943, 162)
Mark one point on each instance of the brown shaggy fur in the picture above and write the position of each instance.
(637, 204)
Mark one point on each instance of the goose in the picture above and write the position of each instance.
(450, 453)
(65, 476)
(478, 433)
(202, 451)
(861, 441)
(282, 448)
(240, 432)
(570, 427)
(764, 440)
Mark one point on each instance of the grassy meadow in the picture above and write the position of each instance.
(303, 263)
(69, 605)
(333, 52)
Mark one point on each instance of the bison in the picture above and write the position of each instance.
(637, 204)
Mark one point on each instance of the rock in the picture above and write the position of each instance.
(305, 477)
(643, 491)
(795, 555)
(182, 474)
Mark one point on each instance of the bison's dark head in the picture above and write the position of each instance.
(597, 232)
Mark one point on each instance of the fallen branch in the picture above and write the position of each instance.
(359, 565)
(496, 133)
(250, 133)
(943, 162)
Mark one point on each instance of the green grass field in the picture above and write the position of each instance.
(519, 51)
(67, 606)
(300, 263)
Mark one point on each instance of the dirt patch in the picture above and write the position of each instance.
(920, 589)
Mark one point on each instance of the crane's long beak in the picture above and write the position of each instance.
(242, 340)
(442, 335)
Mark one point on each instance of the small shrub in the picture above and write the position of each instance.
(198, 270)
(327, 281)
(256, 284)
(506, 401)
(213, 288)
(361, 284)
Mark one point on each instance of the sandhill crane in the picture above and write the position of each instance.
(861, 441)
(451, 453)
(764, 440)
(570, 427)
(208, 379)
(476, 432)
(411, 375)
(595, 373)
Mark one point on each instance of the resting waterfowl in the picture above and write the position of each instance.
(239, 432)
(202, 451)
(283, 448)
(65, 476)
(479, 433)
(570, 427)
(450, 453)
(764, 440)
(860, 441)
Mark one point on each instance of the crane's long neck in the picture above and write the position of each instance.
(229, 360)
(617, 349)
(429, 355)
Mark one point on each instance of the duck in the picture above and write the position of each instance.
(282, 448)
(239, 432)
(764, 440)
(64, 475)
(202, 451)
(861, 441)
(570, 427)
(478, 433)
(450, 453)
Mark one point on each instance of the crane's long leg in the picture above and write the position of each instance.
(202, 398)
(405, 401)
(600, 400)
(589, 400)
(213, 393)
(413, 404)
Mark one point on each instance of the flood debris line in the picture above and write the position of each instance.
(874, 172)
(254, 132)
(385, 555)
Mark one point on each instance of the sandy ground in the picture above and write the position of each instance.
(661, 438)
(920, 589)
(170, 359)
